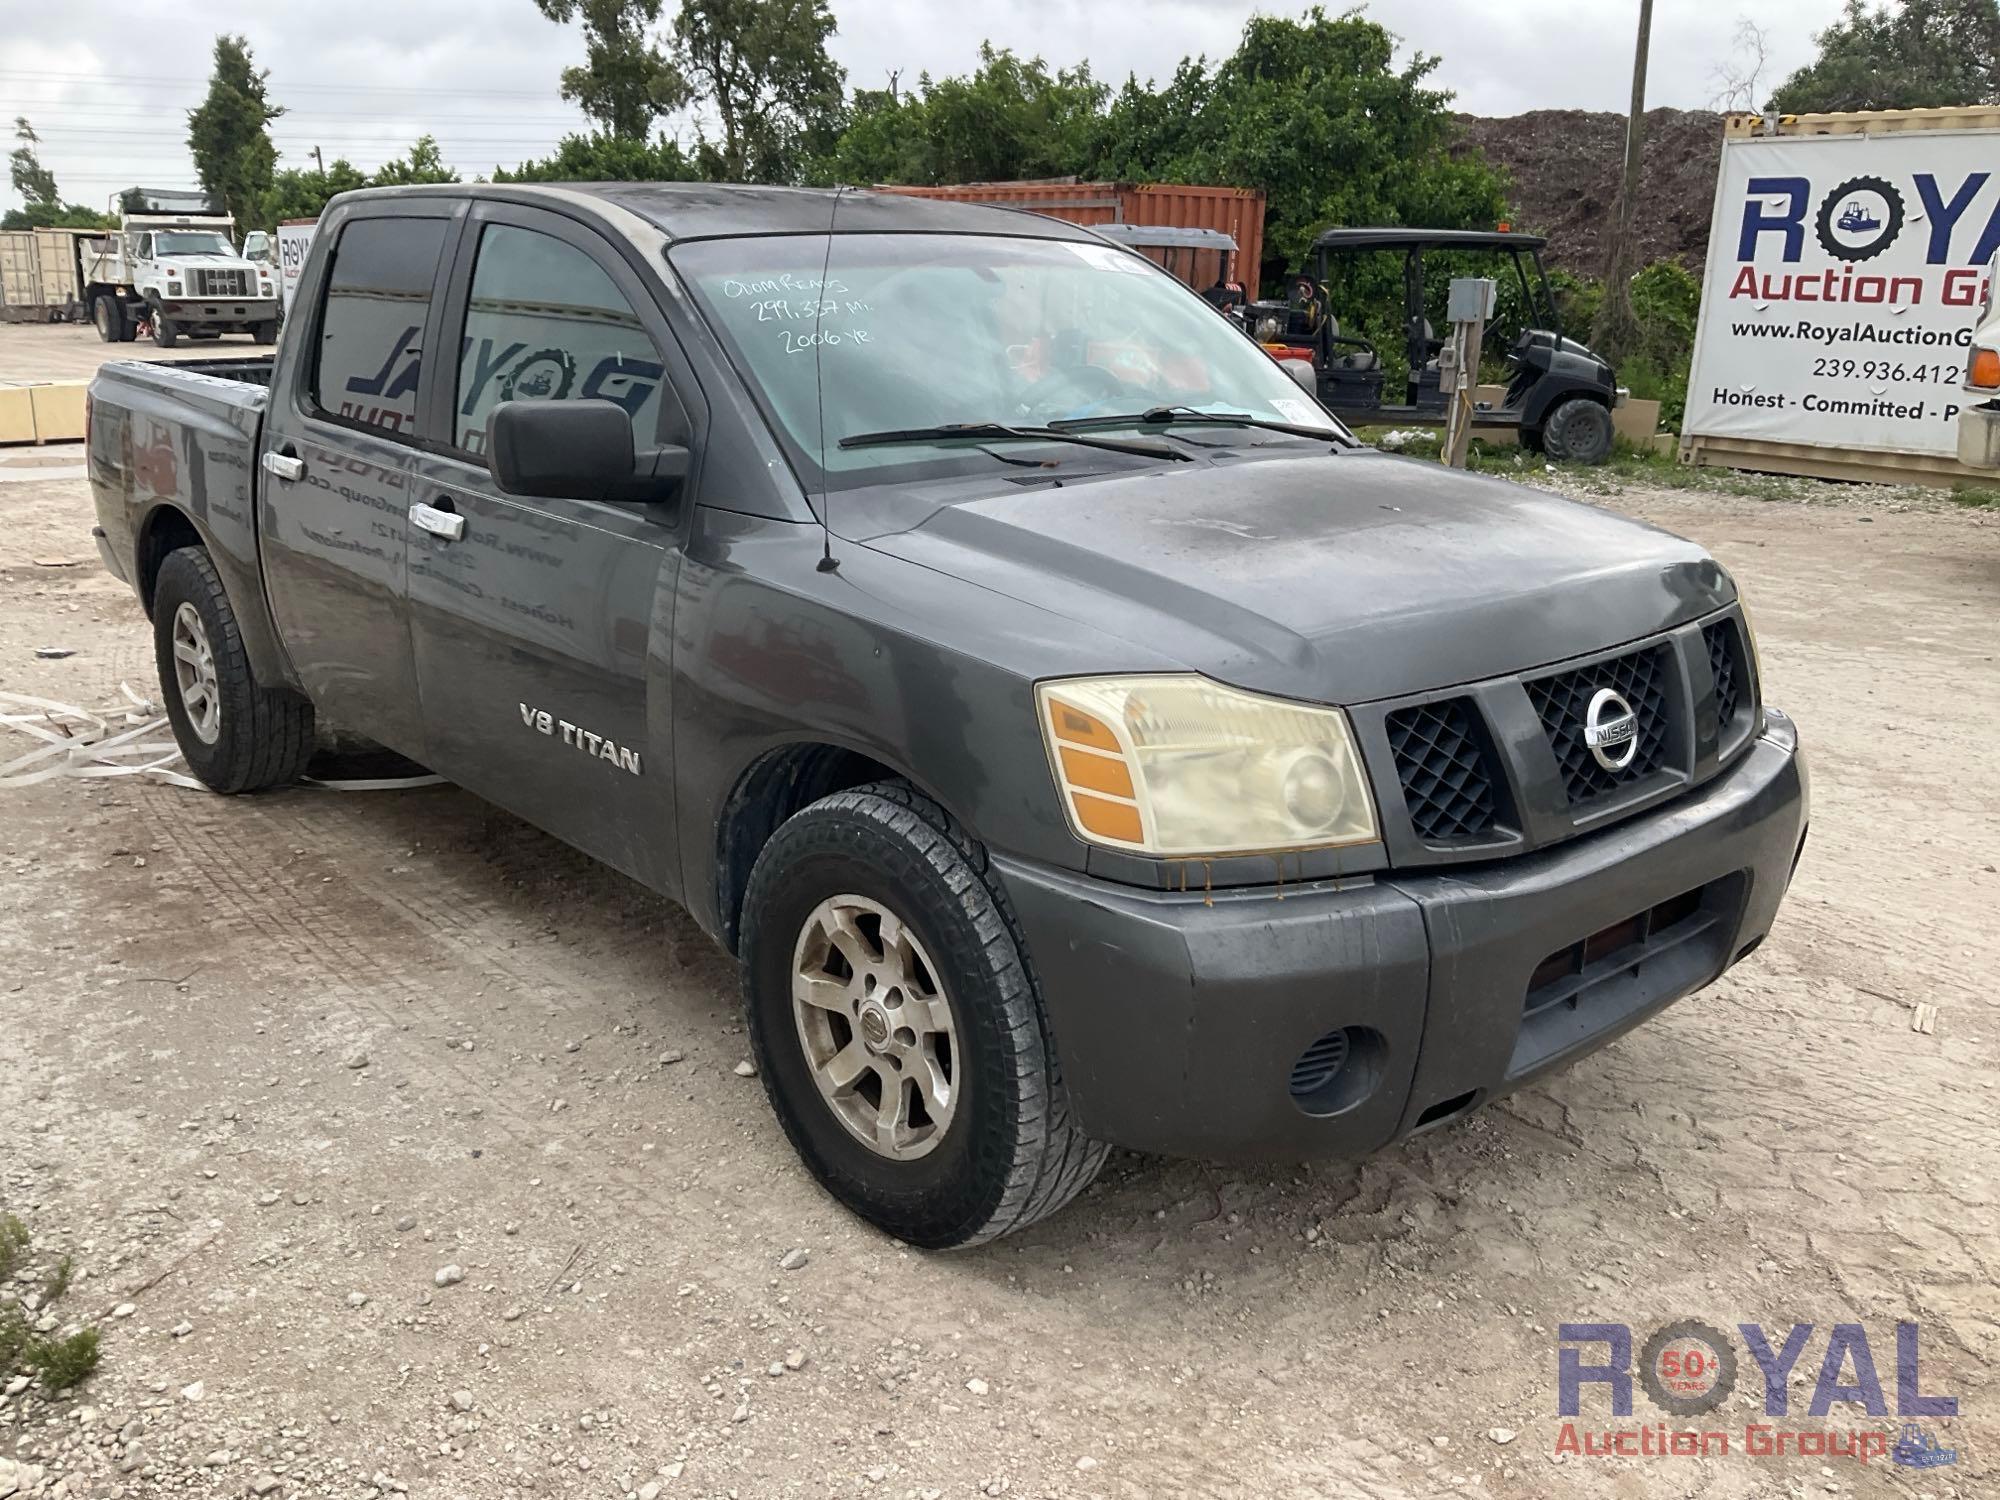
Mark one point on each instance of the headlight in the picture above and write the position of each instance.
(1180, 765)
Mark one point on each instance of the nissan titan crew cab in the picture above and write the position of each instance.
(1080, 739)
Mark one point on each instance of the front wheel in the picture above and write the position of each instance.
(109, 316)
(265, 332)
(1579, 431)
(164, 332)
(897, 1025)
(236, 734)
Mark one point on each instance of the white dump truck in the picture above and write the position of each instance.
(177, 274)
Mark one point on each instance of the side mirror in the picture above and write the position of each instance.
(577, 450)
(1301, 371)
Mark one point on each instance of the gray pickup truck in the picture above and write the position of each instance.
(1080, 738)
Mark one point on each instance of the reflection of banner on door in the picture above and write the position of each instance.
(1844, 279)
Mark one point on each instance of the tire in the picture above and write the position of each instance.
(1579, 431)
(265, 332)
(109, 316)
(1009, 1153)
(255, 737)
(164, 332)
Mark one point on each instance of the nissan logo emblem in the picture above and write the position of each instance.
(1611, 730)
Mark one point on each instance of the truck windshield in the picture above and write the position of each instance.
(908, 332)
(192, 242)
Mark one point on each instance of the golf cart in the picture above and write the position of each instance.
(1559, 395)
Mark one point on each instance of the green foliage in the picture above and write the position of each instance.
(1316, 111)
(765, 68)
(626, 80)
(54, 216)
(606, 158)
(304, 194)
(1009, 119)
(33, 181)
(229, 134)
(43, 207)
(63, 1363)
(14, 1337)
(13, 1241)
(1914, 54)
(425, 163)
(59, 1279)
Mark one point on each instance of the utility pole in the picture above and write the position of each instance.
(1617, 330)
(320, 162)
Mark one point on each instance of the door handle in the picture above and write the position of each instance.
(284, 466)
(441, 523)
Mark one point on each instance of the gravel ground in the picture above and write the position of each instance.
(399, 1148)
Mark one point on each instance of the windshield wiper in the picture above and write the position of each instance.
(1168, 416)
(1056, 433)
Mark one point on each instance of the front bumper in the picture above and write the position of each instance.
(1979, 436)
(1179, 1018)
(227, 310)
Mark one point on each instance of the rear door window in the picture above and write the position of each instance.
(378, 297)
(546, 323)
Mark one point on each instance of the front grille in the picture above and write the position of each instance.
(226, 281)
(1721, 639)
(1562, 701)
(1447, 782)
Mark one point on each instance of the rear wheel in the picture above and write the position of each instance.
(109, 316)
(237, 735)
(1579, 431)
(897, 1024)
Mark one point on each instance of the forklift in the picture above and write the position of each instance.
(1559, 395)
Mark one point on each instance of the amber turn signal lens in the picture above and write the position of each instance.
(1985, 369)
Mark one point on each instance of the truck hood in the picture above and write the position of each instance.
(1339, 579)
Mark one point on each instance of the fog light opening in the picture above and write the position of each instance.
(1338, 1071)
(1446, 1109)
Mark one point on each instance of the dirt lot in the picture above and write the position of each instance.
(268, 1066)
(31, 352)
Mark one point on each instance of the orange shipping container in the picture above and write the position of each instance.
(1237, 212)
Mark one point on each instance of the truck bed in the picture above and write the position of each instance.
(183, 436)
(252, 369)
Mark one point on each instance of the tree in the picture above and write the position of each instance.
(229, 134)
(425, 163)
(776, 90)
(1615, 334)
(606, 158)
(298, 194)
(1145, 128)
(34, 182)
(1920, 54)
(626, 81)
(1739, 78)
(1319, 114)
(1009, 119)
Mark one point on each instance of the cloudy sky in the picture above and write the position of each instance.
(362, 78)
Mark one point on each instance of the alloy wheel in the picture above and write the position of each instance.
(876, 1026)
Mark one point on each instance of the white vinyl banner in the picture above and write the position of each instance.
(1844, 279)
(294, 239)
